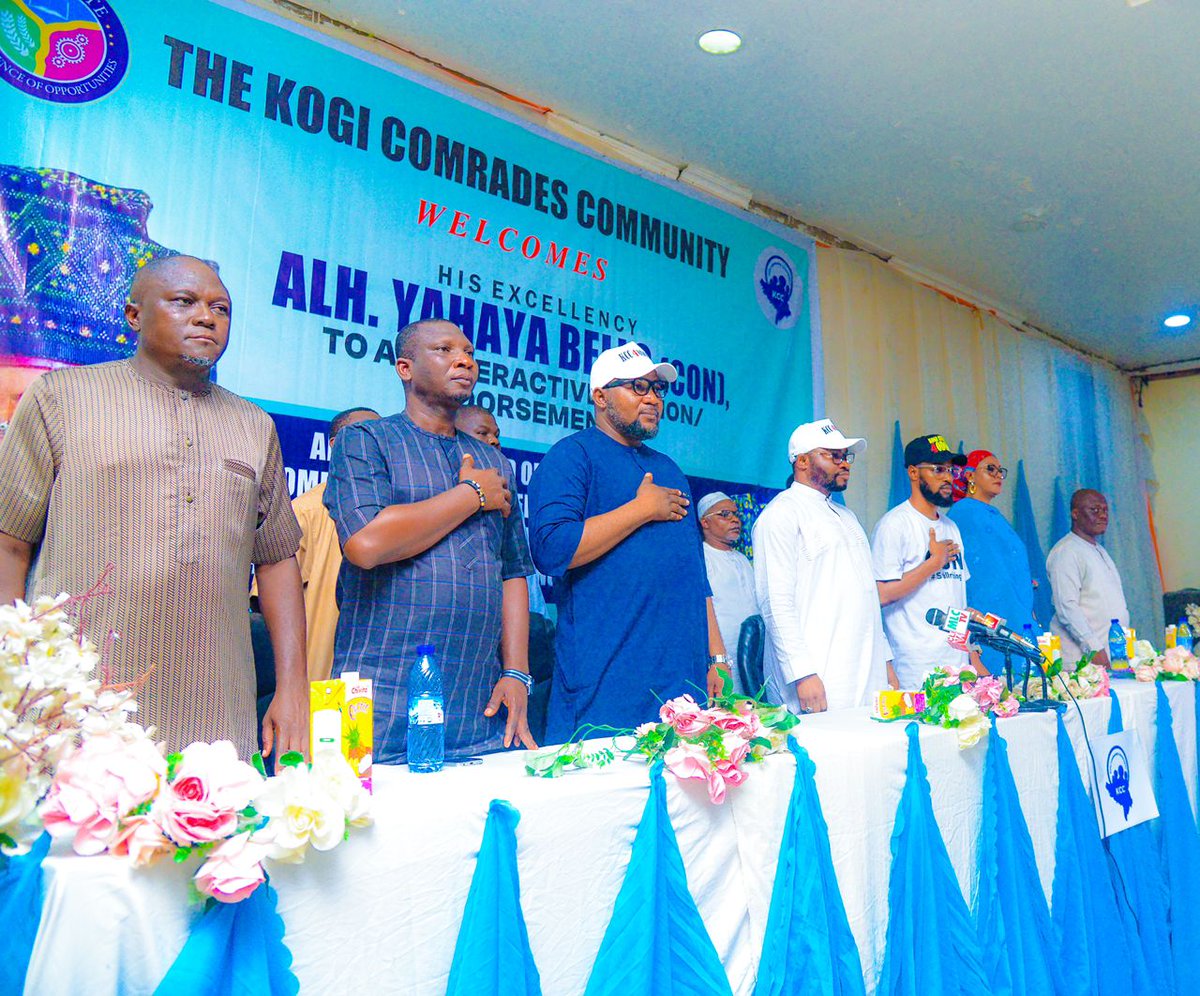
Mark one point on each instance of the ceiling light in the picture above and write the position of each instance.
(1177, 321)
(720, 42)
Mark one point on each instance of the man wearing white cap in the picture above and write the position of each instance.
(730, 574)
(816, 587)
(610, 517)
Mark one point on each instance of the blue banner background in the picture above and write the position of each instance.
(310, 173)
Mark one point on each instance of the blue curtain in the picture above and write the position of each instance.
(901, 488)
(1180, 851)
(235, 949)
(20, 912)
(1025, 525)
(1138, 880)
(492, 955)
(932, 944)
(656, 942)
(1095, 934)
(808, 949)
(1061, 521)
(1019, 952)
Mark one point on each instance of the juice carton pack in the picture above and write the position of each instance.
(1170, 636)
(326, 700)
(358, 726)
(891, 703)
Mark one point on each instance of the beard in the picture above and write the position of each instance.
(826, 482)
(201, 362)
(632, 430)
(936, 497)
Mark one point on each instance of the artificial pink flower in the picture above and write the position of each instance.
(211, 786)
(232, 871)
(645, 729)
(685, 715)
(736, 746)
(716, 787)
(730, 772)
(986, 692)
(101, 781)
(747, 727)
(141, 840)
(1006, 707)
(688, 760)
(1145, 672)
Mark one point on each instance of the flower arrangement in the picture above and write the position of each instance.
(712, 744)
(1176, 664)
(1082, 680)
(122, 797)
(960, 700)
(73, 762)
(1192, 611)
(50, 697)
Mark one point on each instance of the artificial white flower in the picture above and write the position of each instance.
(300, 812)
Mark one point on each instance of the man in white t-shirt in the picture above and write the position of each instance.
(730, 575)
(1085, 583)
(816, 589)
(919, 565)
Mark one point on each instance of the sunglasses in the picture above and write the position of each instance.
(839, 456)
(726, 514)
(641, 386)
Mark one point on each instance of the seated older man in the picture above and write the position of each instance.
(730, 573)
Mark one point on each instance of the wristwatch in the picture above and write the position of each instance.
(715, 659)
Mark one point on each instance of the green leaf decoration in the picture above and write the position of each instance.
(292, 759)
(181, 855)
(173, 765)
(257, 761)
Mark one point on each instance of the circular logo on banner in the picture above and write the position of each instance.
(778, 287)
(65, 51)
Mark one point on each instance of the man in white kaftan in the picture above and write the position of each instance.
(816, 588)
(1085, 583)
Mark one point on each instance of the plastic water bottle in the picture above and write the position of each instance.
(1183, 635)
(426, 715)
(1116, 644)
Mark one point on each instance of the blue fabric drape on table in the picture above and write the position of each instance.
(1138, 879)
(901, 488)
(234, 949)
(1025, 525)
(932, 945)
(1089, 922)
(1180, 852)
(20, 912)
(492, 955)
(656, 942)
(808, 947)
(1015, 933)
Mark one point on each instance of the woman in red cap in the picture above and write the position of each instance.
(1000, 581)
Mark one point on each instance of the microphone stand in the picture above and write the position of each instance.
(1042, 704)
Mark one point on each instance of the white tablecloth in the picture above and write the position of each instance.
(381, 913)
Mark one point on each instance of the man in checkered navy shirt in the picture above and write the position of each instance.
(432, 554)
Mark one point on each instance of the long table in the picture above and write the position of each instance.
(381, 913)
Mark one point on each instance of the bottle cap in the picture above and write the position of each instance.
(425, 648)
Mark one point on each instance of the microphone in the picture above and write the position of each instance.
(999, 636)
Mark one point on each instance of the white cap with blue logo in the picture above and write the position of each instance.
(628, 362)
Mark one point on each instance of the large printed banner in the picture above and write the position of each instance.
(343, 200)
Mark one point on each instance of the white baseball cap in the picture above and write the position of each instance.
(821, 435)
(628, 362)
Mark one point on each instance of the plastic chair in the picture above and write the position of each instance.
(751, 641)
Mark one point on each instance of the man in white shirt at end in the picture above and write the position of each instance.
(919, 565)
(730, 575)
(825, 647)
(1085, 583)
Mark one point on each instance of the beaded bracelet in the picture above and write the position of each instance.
(478, 490)
(521, 676)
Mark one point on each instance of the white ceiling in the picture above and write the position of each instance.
(925, 128)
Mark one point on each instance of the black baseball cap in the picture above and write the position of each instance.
(931, 449)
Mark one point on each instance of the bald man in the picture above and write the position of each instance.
(1084, 582)
(147, 467)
